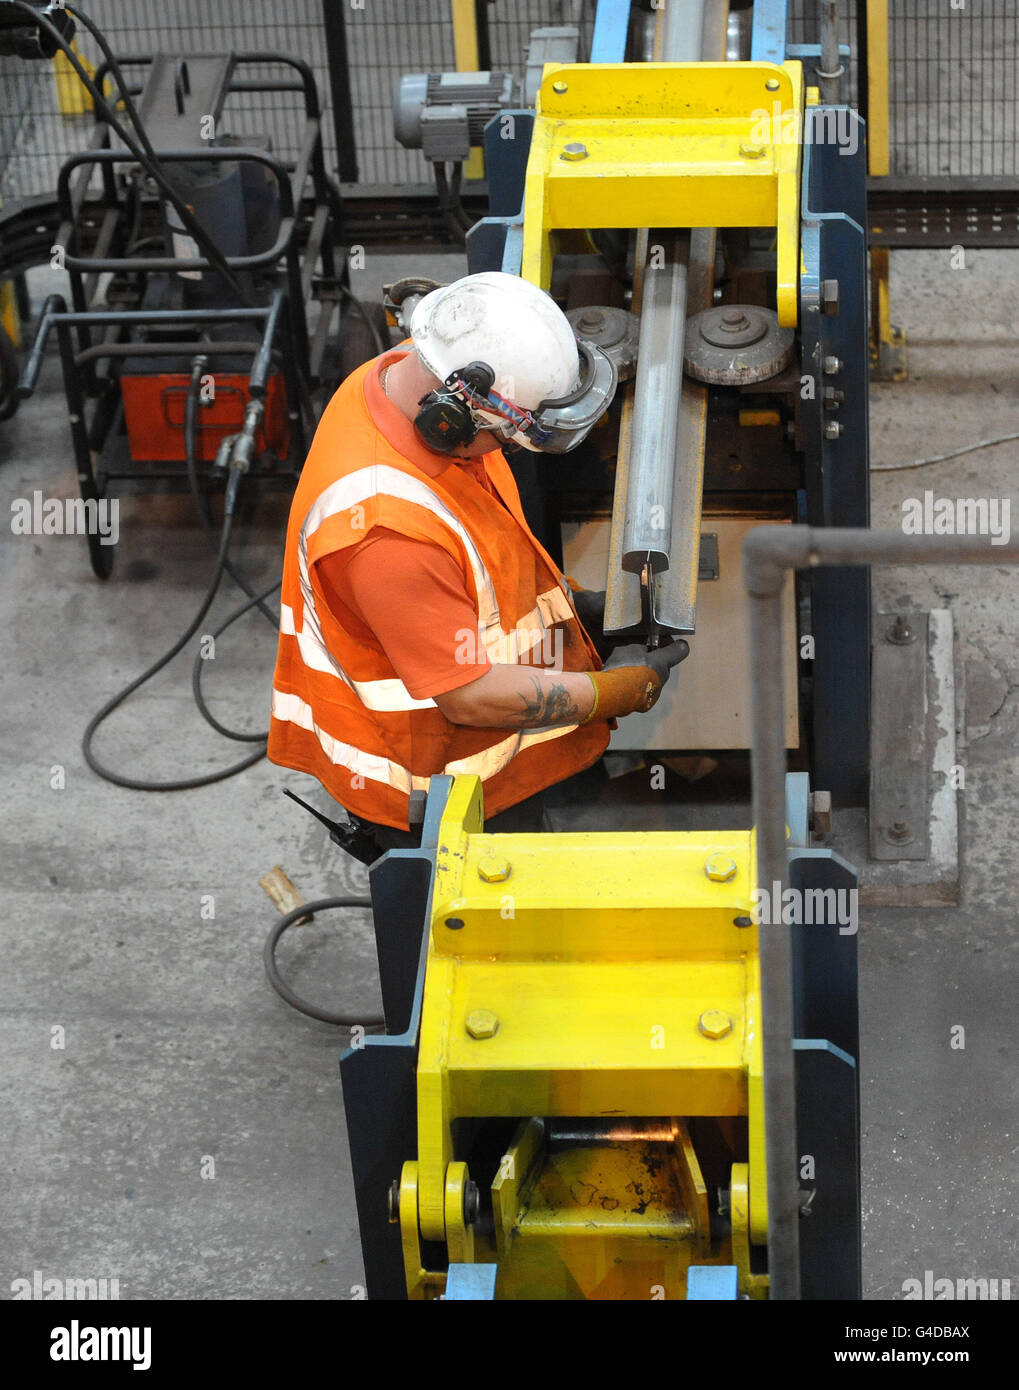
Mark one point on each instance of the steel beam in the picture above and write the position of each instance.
(829, 68)
(661, 447)
(656, 415)
(682, 33)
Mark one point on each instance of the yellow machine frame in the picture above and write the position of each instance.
(587, 976)
(667, 145)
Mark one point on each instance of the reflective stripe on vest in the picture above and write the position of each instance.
(374, 768)
(391, 694)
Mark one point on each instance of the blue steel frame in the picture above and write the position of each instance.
(767, 40)
(825, 1047)
(712, 1284)
(833, 246)
(611, 27)
(379, 1076)
(833, 243)
(497, 241)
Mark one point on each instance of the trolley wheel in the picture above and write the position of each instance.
(100, 557)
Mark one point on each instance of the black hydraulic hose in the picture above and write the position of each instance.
(116, 72)
(182, 784)
(360, 308)
(453, 224)
(149, 162)
(279, 984)
(254, 600)
(459, 211)
(191, 457)
(196, 671)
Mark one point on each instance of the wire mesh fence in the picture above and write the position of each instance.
(953, 88)
(953, 83)
(953, 75)
(37, 134)
(384, 39)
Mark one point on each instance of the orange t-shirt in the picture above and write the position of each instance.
(411, 596)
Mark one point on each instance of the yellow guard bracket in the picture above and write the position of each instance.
(669, 145)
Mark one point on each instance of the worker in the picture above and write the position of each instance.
(423, 627)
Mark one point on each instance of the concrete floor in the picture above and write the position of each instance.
(175, 1049)
(940, 1133)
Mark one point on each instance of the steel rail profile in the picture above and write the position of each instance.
(666, 420)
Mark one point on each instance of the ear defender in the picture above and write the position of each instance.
(445, 420)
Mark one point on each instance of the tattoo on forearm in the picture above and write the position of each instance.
(546, 707)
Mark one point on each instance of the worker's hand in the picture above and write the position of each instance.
(661, 660)
(632, 678)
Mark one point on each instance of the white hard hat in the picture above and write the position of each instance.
(505, 321)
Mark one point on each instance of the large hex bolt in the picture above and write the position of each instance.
(714, 1024)
(720, 868)
(494, 868)
(482, 1023)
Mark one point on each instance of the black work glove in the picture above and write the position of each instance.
(590, 604)
(661, 660)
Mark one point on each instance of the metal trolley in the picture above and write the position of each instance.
(146, 330)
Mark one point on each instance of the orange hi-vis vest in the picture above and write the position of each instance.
(339, 709)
